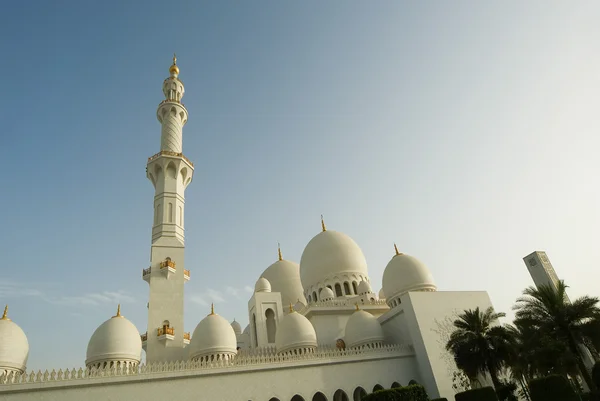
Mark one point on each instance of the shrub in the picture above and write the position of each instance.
(409, 393)
(506, 392)
(552, 388)
(477, 394)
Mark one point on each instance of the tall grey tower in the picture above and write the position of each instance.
(541, 270)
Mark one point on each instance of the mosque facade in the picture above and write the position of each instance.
(317, 332)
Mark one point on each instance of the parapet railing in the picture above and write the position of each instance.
(342, 302)
(169, 153)
(244, 358)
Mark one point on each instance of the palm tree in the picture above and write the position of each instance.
(478, 346)
(548, 312)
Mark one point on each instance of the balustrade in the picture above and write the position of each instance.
(170, 153)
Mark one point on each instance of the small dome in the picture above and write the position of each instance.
(115, 340)
(405, 273)
(262, 285)
(362, 329)
(284, 277)
(381, 294)
(328, 254)
(14, 347)
(237, 329)
(295, 332)
(213, 336)
(326, 294)
(364, 288)
(246, 329)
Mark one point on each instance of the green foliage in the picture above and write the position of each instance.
(552, 388)
(460, 381)
(506, 392)
(413, 392)
(478, 346)
(412, 382)
(596, 375)
(478, 394)
(546, 311)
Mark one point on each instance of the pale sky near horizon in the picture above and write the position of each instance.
(464, 131)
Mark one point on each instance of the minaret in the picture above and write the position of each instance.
(170, 172)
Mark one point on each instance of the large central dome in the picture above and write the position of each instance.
(328, 255)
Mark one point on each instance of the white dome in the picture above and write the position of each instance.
(246, 330)
(362, 328)
(405, 273)
(326, 294)
(284, 277)
(116, 340)
(328, 254)
(364, 288)
(381, 294)
(262, 285)
(14, 347)
(237, 329)
(295, 332)
(213, 336)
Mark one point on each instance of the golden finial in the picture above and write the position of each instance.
(279, 251)
(212, 309)
(174, 69)
(291, 308)
(396, 249)
(356, 304)
(118, 311)
(5, 315)
(323, 224)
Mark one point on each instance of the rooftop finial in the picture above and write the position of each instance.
(174, 70)
(356, 304)
(212, 309)
(279, 251)
(396, 249)
(118, 311)
(5, 315)
(291, 308)
(323, 224)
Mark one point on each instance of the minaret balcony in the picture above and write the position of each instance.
(146, 274)
(186, 338)
(170, 153)
(165, 333)
(168, 267)
(186, 275)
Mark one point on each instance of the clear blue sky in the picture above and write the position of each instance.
(465, 131)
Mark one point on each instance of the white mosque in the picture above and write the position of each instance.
(318, 331)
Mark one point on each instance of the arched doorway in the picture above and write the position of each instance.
(396, 385)
(377, 387)
(319, 396)
(340, 395)
(271, 325)
(359, 393)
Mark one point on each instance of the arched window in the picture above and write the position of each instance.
(319, 396)
(180, 216)
(377, 387)
(310, 299)
(297, 398)
(396, 385)
(338, 290)
(347, 289)
(170, 211)
(340, 395)
(354, 287)
(314, 296)
(254, 330)
(271, 325)
(359, 393)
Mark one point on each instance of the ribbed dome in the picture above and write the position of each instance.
(284, 277)
(262, 285)
(237, 329)
(14, 347)
(364, 288)
(295, 332)
(326, 294)
(116, 340)
(213, 336)
(328, 254)
(405, 273)
(362, 328)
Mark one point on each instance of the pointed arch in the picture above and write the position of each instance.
(297, 398)
(340, 395)
(271, 325)
(377, 387)
(396, 385)
(319, 396)
(359, 393)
